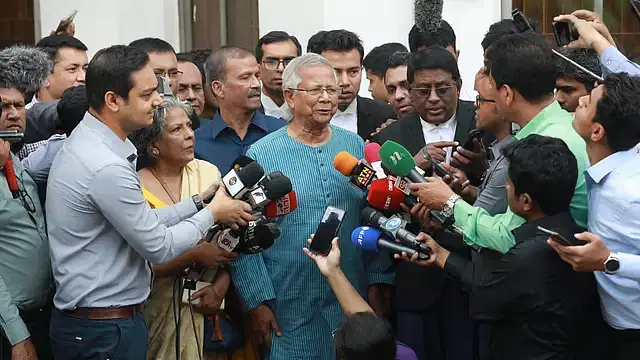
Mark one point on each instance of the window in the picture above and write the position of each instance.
(618, 15)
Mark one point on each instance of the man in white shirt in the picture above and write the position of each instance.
(345, 52)
(274, 51)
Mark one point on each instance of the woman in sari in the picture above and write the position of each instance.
(168, 173)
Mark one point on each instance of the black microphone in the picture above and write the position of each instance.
(372, 240)
(393, 227)
(252, 239)
(270, 188)
(239, 182)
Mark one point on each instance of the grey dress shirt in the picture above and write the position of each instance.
(25, 269)
(102, 232)
(492, 193)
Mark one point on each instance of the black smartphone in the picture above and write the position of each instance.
(557, 237)
(520, 21)
(11, 136)
(327, 230)
(439, 170)
(562, 32)
(635, 4)
(473, 134)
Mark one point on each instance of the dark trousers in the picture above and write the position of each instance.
(37, 322)
(625, 344)
(73, 338)
(443, 332)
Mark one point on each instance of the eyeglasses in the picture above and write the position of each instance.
(481, 100)
(441, 91)
(171, 74)
(26, 199)
(274, 64)
(184, 88)
(331, 91)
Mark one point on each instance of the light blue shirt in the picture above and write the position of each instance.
(612, 61)
(102, 231)
(614, 214)
(304, 305)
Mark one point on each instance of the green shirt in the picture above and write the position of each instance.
(494, 232)
(25, 266)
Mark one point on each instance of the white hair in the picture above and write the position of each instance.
(291, 78)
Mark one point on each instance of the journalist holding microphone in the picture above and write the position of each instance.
(102, 232)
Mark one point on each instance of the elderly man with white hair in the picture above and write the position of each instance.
(293, 309)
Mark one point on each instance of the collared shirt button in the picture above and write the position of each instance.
(325, 180)
(320, 151)
(321, 164)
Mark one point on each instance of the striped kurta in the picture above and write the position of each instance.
(304, 305)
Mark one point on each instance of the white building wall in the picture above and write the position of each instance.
(381, 21)
(102, 23)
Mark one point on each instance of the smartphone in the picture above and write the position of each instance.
(473, 134)
(557, 237)
(11, 136)
(562, 32)
(163, 87)
(635, 4)
(520, 21)
(440, 171)
(65, 22)
(327, 230)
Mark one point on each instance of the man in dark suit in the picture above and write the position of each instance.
(345, 52)
(432, 310)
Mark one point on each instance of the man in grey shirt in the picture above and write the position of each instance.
(102, 232)
(26, 284)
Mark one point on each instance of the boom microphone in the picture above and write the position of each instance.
(24, 68)
(372, 240)
(359, 173)
(428, 14)
(282, 206)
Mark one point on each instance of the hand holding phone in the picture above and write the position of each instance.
(439, 170)
(64, 23)
(558, 238)
(327, 230)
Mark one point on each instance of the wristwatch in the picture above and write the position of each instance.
(612, 264)
(198, 201)
(447, 210)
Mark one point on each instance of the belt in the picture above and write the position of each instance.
(104, 313)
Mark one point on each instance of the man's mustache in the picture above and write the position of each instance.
(253, 92)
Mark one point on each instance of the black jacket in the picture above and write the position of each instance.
(372, 114)
(417, 287)
(536, 305)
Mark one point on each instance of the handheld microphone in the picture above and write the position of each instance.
(393, 227)
(282, 206)
(241, 161)
(270, 188)
(428, 14)
(239, 182)
(248, 240)
(383, 195)
(399, 161)
(359, 173)
(372, 240)
(372, 157)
